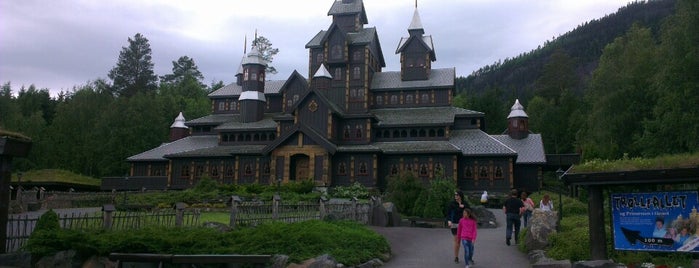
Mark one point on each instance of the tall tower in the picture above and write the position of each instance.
(252, 98)
(517, 122)
(416, 51)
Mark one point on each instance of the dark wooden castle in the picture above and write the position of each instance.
(350, 121)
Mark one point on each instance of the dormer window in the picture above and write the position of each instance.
(336, 52)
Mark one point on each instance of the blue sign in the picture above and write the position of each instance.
(660, 221)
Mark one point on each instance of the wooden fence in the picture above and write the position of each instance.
(241, 214)
(20, 227)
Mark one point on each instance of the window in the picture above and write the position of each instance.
(379, 100)
(229, 171)
(357, 56)
(296, 98)
(253, 76)
(394, 99)
(214, 171)
(319, 58)
(245, 74)
(338, 74)
(200, 170)
(425, 98)
(468, 172)
(185, 171)
(498, 172)
(221, 106)
(423, 170)
(409, 99)
(356, 73)
(483, 173)
(394, 169)
(341, 169)
(261, 77)
(265, 168)
(234, 106)
(289, 103)
(336, 52)
(358, 132)
(438, 168)
(248, 169)
(346, 133)
(409, 167)
(363, 169)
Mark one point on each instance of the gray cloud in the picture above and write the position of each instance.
(60, 44)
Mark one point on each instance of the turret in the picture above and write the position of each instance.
(416, 51)
(252, 98)
(322, 78)
(517, 122)
(178, 130)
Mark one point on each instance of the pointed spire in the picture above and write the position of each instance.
(517, 110)
(416, 23)
(245, 45)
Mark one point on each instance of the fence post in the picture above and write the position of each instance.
(323, 210)
(235, 200)
(275, 206)
(179, 213)
(107, 211)
(354, 208)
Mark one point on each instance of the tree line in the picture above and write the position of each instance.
(92, 129)
(639, 100)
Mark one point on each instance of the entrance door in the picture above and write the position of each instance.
(299, 167)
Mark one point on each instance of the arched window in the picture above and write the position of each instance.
(200, 170)
(229, 171)
(221, 106)
(468, 172)
(341, 169)
(394, 169)
(346, 133)
(483, 173)
(357, 55)
(234, 105)
(245, 74)
(394, 99)
(296, 98)
(265, 168)
(379, 100)
(253, 76)
(358, 132)
(425, 98)
(356, 73)
(438, 168)
(363, 169)
(498, 172)
(409, 99)
(214, 171)
(248, 169)
(423, 170)
(338, 74)
(289, 103)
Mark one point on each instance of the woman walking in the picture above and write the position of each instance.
(454, 214)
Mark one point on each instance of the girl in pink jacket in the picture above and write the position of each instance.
(467, 233)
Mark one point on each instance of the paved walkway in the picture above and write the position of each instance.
(413, 247)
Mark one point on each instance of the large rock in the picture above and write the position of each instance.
(598, 264)
(62, 259)
(379, 216)
(541, 225)
(486, 218)
(552, 264)
(393, 214)
(324, 261)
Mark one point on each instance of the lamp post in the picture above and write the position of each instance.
(560, 173)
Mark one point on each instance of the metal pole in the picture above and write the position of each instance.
(560, 174)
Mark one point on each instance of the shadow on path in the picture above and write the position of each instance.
(413, 247)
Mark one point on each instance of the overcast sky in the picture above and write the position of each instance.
(59, 44)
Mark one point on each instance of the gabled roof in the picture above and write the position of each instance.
(317, 40)
(300, 128)
(364, 36)
(233, 89)
(425, 40)
(331, 105)
(475, 142)
(425, 116)
(441, 78)
(190, 143)
(354, 7)
(530, 150)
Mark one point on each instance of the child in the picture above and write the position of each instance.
(467, 233)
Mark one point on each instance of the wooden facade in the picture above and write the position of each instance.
(348, 122)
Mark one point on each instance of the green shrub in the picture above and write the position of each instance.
(348, 242)
(299, 187)
(354, 190)
(573, 245)
(403, 190)
(440, 193)
(48, 221)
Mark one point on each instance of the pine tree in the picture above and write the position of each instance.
(134, 70)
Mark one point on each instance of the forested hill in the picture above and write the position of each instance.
(516, 77)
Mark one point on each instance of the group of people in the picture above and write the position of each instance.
(680, 234)
(518, 208)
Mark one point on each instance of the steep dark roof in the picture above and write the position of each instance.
(191, 143)
(530, 150)
(354, 7)
(233, 89)
(265, 123)
(475, 142)
(364, 36)
(443, 78)
(315, 136)
(317, 40)
(213, 119)
(427, 116)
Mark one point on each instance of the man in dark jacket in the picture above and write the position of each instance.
(513, 211)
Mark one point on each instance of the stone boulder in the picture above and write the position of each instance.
(379, 216)
(62, 259)
(598, 264)
(486, 218)
(541, 225)
(392, 213)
